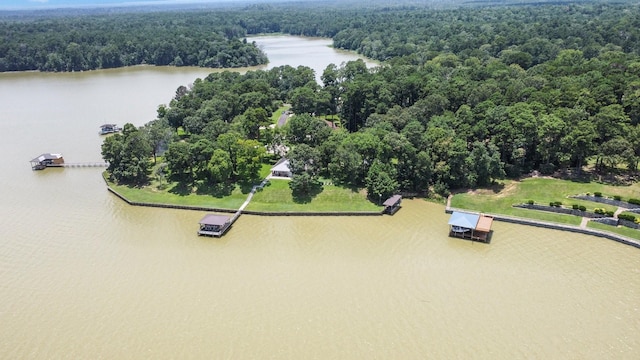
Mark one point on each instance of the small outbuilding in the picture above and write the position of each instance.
(47, 160)
(476, 227)
(214, 225)
(392, 204)
(281, 169)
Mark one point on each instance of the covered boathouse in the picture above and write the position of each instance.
(46, 160)
(109, 129)
(214, 225)
(476, 227)
(392, 204)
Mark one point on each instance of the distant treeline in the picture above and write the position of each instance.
(99, 42)
(524, 35)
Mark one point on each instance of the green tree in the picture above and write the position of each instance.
(380, 181)
(249, 160)
(180, 160)
(128, 155)
(220, 168)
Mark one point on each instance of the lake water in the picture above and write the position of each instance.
(83, 275)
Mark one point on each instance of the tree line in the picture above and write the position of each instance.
(523, 35)
(88, 42)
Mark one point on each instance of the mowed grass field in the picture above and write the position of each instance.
(276, 197)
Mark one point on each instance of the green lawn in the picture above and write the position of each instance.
(277, 197)
(499, 200)
(175, 195)
(621, 230)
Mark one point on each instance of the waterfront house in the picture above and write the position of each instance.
(281, 169)
(214, 225)
(46, 160)
(475, 227)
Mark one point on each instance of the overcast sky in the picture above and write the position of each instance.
(36, 4)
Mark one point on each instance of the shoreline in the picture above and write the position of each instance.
(247, 212)
(448, 209)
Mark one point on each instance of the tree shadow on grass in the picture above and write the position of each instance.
(307, 197)
(181, 188)
(246, 186)
(215, 190)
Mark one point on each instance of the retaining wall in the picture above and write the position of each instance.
(560, 210)
(603, 200)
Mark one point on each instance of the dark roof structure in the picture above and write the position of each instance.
(47, 156)
(215, 220)
(392, 201)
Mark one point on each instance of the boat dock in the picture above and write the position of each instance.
(218, 225)
(56, 160)
(474, 227)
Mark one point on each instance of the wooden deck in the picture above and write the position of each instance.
(483, 237)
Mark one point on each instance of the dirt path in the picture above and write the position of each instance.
(583, 223)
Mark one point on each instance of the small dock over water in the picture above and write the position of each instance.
(56, 160)
(218, 225)
(475, 227)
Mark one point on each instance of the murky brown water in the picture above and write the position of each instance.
(83, 275)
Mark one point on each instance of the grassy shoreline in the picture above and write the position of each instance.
(275, 197)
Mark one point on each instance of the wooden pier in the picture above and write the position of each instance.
(218, 225)
(56, 160)
(85, 164)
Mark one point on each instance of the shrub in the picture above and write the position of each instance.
(582, 208)
(634, 201)
(552, 204)
(599, 211)
(574, 206)
(627, 217)
(557, 204)
(617, 197)
(609, 213)
(597, 194)
(530, 202)
(547, 169)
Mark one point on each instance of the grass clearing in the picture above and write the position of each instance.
(277, 197)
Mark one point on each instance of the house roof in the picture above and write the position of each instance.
(213, 219)
(484, 223)
(465, 220)
(281, 166)
(108, 125)
(47, 156)
(392, 201)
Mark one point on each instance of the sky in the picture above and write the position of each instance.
(48, 4)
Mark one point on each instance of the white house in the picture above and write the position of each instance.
(281, 169)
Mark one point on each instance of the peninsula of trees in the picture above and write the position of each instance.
(463, 96)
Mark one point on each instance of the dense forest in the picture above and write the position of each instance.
(464, 96)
